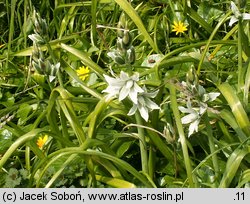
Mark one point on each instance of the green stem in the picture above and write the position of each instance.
(142, 142)
(151, 162)
(212, 146)
(177, 117)
(27, 158)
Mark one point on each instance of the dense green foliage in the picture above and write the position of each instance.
(117, 93)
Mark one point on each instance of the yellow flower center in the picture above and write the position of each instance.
(179, 27)
(41, 141)
(83, 72)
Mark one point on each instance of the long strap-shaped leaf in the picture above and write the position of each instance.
(85, 58)
(236, 107)
(137, 20)
(232, 166)
(20, 141)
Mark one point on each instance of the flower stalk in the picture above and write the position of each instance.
(142, 143)
(212, 146)
(177, 116)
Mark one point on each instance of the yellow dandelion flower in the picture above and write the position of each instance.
(179, 27)
(41, 141)
(83, 72)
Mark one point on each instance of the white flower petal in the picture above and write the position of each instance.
(151, 105)
(135, 77)
(124, 76)
(246, 16)
(144, 112)
(235, 10)
(152, 94)
(193, 127)
(132, 110)
(184, 110)
(232, 20)
(133, 96)
(111, 90)
(123, 93)
(213, 96)
(203, 109)
(189, 118)
(113, 81)
(138, 88)
(189, 106)
(51, 78)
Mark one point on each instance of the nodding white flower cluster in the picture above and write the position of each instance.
(126, 86)
(200, 99)
(125, 52)
(237, 15)
(193, 117)
(40, 37)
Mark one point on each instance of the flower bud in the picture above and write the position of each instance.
(168, 132)
(192, 78)
(119, 60)
(120, 45)
(36, 39)
(36, 67)
(126, 38)
(120, 31)
(42, 65)
(131, 55)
